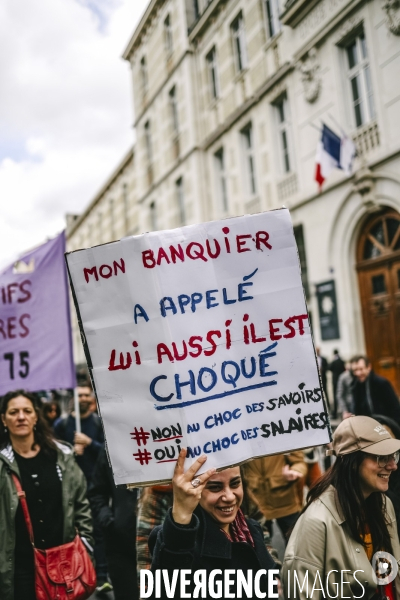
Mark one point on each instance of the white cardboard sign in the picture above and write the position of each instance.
(199, 337)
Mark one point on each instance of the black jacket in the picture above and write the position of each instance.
(64, 429)
(323, 369)
(337, 367)
(113, 507)
(202, 545)
(384, 399)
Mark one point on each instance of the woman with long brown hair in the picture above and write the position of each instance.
(347, 519)
(55, 490)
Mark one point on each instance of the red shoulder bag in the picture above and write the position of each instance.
(61, 573)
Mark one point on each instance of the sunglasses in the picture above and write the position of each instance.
(383, 461)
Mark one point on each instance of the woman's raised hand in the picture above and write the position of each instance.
(186, 496)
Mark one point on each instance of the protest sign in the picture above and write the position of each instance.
(35, 329)
(199, 337)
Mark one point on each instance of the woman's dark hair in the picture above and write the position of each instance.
(361, 514)
(48, 407)
(42, 433)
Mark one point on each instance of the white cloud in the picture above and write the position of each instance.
(65, 110)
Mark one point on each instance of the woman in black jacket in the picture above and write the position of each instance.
(206, 530)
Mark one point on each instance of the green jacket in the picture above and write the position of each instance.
(76, 509)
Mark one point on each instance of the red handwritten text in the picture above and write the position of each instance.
(105, 271)
(210, 249)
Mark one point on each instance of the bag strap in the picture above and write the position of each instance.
(22, 498)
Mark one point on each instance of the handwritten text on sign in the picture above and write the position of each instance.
(200, 337)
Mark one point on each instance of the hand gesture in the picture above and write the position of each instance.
(290, 474)
(186, 496)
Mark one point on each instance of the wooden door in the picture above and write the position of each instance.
(395, 284)
(379, 280)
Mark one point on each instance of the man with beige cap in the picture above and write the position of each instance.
(347, 519)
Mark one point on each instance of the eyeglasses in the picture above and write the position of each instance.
(383, 461)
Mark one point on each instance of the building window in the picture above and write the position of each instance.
(99, 227)
(239, 43)
(282, 117)
(153, 217)
(221, 179)
(196, 9)
(149, 149)
(248, 156)
(112, 219)
(126, 207)
(168, 36)
(359, 76)
(272, 13)
(174, 111)
(299, 236)
(143, 76)
(149, 152)
(212, 67)
(180, 198)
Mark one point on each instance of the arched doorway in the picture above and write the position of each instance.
(378, 266)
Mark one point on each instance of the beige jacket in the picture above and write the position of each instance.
(321, 542)
(276, 496)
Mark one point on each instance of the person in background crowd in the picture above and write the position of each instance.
(251, 510)
(154, 504)
(274, 482)
(323, 369)
(87, 446)
(51, 412)
(93, 406)
(311, 458)
(336, 367)
(115, 511)
(55, 489)
(206, 528)
(394, 481)
(373, 394)
(347, 517)
(345, 389)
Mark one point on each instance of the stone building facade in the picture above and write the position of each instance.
(229, 98)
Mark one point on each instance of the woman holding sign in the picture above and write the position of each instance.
(207, 533)
(345, 543)
(54, 488)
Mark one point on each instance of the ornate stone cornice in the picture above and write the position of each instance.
(392, 11)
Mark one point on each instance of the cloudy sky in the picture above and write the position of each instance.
(65, 110)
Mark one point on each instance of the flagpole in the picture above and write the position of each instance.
(337, 124)
(77, 412)
(78, 428)
(315, 127)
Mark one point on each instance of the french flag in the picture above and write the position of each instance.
(333, 152)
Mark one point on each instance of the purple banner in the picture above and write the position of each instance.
(35, 327)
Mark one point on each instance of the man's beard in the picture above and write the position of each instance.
(84, 407)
